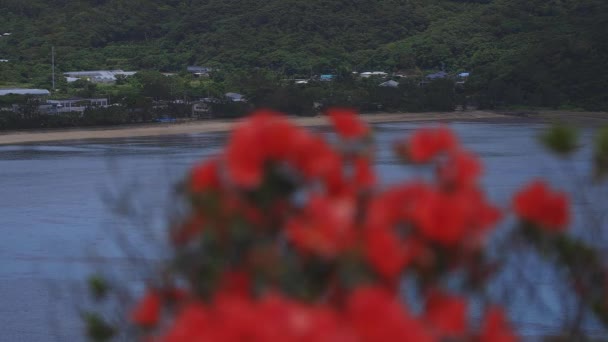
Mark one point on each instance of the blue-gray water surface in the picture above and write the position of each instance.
(61, 204)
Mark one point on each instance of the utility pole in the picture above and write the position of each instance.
(53, 63)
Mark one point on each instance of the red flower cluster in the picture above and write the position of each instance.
(427, 143)
(368, 314)
(281, 202)
(537, 204)
(269, 137)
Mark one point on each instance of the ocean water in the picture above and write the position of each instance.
(70, 208)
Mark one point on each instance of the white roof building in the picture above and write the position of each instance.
(235, 97)
(97, 76)
(373, 73)
(22, 91)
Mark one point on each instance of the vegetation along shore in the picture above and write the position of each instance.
(223, 125)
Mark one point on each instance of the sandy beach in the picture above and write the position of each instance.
(206, 126)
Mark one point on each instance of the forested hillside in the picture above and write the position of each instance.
(520, 52)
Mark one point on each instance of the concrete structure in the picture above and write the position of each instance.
(97, 76)
(22, 91)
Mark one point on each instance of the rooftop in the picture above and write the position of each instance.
(23, 91)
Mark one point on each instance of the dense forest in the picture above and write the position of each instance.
(541, 53)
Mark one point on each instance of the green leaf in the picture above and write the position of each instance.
(561, 139)
(98, 287)
(601, 153)
(97, 328)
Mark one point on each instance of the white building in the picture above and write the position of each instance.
(76, 104)
(22, 91)
(369, 74)
(97, 76)
(235, 97)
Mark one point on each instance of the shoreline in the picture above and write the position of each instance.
(210, 126)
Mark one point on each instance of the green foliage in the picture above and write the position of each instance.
(98, 287)
(519, 52)
(560, 139)
(97, 328)
(601, 153)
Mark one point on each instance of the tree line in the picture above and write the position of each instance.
(539, 53)
(151, 96)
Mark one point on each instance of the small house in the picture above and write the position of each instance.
(199, 71)
(76, 104)
(235, 97)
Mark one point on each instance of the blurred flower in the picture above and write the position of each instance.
(447, 314)
(326, 226)
(147, 311)
(191, 324)
(281, 199)
(378, 315)
(205, 176)
(364, 176)
(426, 143)
(537, 204)
(462, 169)
(495, 328)
(347, 123)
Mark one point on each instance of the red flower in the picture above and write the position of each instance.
(451, 217)
(347, 124)
(441, 217)
(205, 176)
(364, 176)
(447, 314)
(377, 315)
(147, 311)
(387, 254)
(427, 143)
(314, 157)
(236, 283)
(245, 156)
(326, 226)
(495, 328)
(537, 204)
(461, 169)
(275, 134)
(192, 323)
(234, 318)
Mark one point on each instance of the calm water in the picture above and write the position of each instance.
(60, 216)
